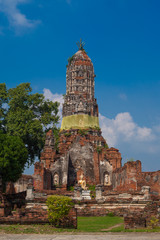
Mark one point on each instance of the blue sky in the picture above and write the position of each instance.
(122, 38)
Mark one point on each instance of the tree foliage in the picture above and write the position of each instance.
(27, 116)
(3, 101)
(56, 138)
(58, 208)
(13, 156)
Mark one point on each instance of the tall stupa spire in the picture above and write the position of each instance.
(80, 109)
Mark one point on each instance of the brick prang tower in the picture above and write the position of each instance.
(79, 99)
(80, 86)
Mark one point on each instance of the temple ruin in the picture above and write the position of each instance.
(83, 153)
(82, 166)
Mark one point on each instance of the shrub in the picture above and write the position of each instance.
(130, 160)
(110, 214)
(106, 146)
(99, 149)
(58, 209)
(153, 222)
(97, 128)
(67, 134)
(70, 59)
(82, 132)
(70, 188)
(92, 189)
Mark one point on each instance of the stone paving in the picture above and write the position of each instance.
(108, 236)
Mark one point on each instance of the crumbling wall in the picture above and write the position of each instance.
(118, 208)
(142, 219)
(21, 184)
(36, 213)
(151, 179)
(114, 157)
(126, 178)
(9, 202)
(81, 160)
(131, 178)
(42, 177)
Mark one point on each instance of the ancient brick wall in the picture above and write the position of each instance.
(118, 208)
(58, 191)
(135, 221)
(48, 152)
(114, 157)
(42, 177)
(47, 179)
(14, 208)
(8, 202)
(10, 189)
(126, 178)
(131, 178)
(36, 213)
(142, 219)
(22, 183)
(151, 179)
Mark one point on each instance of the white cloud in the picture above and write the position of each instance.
(124, 129)
(55, 98)
(16, 19)
(132, 140)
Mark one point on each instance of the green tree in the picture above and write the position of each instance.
(3, 101)
(27, 116)
(13, 156)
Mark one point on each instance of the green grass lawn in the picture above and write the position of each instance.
(85, 224)
(96, 224)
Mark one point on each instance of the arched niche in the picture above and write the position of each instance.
(56, 179)
(106, 179)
